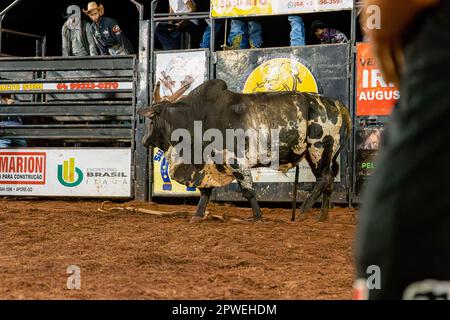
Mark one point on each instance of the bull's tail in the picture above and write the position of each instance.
(335, 164)
(345, 132)
(346, 123)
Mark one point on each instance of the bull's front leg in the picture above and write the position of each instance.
(205, 195)
(244, 179)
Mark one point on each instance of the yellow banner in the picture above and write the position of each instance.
(235, 8)
(242, 8)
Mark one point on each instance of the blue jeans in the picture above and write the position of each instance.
(246, 37)
(9, 143)
(297, 31)
(207, 34)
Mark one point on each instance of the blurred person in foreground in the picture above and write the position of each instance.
(404, 223)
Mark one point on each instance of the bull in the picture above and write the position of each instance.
(309, 126)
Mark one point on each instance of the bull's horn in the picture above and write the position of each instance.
(156, 95)
(177, 95)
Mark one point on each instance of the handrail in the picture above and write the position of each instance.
(19, 33)
(2, 15)
(140, 8)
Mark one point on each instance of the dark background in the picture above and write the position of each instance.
(46, 18)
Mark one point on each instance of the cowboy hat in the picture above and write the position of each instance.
(94, 6)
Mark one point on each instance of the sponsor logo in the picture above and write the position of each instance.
(374, 95)
(103, 177)
(281, 74)
(23, 167)
(66, 174)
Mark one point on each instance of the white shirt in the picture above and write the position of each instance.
(180, 6)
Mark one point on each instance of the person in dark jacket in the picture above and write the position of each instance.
(77, 39)
(108, 36)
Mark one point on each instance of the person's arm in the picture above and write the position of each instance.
(340, 37)
(170, 12)
(90, 40)
(65, 48)
(120, 37)
(396, 16)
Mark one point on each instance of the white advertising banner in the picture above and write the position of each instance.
(176, 69)
(306, 6)
(65, 172)
(242, 8)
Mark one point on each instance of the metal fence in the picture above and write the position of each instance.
(75, 99)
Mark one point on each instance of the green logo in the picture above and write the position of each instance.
(66, 174)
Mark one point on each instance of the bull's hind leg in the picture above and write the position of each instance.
(205, 195)
(323, 186)
(320, 165)
(328, 190)
(244, 179)
(326, 195)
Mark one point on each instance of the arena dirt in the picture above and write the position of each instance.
(129, 255)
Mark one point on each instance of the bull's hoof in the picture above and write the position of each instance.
(254, 219)
(196, 219)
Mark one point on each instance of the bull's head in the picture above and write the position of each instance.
(155, 135)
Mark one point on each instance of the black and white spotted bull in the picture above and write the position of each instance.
(309, 126)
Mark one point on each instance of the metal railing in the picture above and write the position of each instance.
(90, 99)
(41, 41)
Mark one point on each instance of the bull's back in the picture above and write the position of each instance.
(283, 111)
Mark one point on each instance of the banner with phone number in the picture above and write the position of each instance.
(241, 8)
(65, 86)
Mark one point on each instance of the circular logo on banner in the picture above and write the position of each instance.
(281, 74)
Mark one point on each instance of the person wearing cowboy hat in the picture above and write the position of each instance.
(77, 39)
(108, 36)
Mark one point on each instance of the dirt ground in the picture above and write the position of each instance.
(133, 255)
